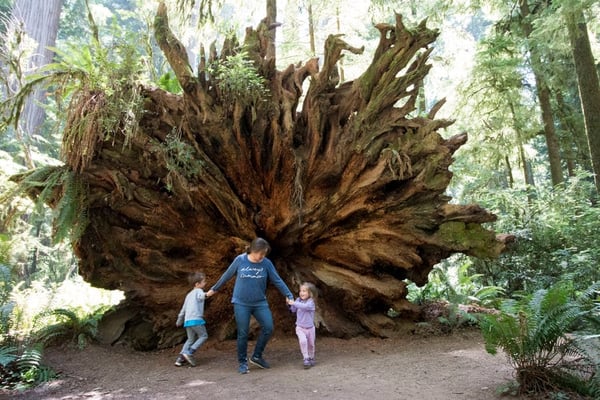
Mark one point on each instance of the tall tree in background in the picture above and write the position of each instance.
(543, 92)
(40, 20)
(32, 29)
(587, 82)
(500, 112)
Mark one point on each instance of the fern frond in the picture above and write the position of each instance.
(510, 306)
(8, 354)
(62, 189)
(70, 326)
(591, 293)
(71, 212)
(31, 358)
(51, 333)
(488, 292)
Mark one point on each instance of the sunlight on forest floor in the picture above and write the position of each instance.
(73, 293)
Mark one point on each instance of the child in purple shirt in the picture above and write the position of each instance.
(304, 307)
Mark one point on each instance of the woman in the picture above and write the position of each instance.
(252, 270)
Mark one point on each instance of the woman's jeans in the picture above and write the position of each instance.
(262, 313)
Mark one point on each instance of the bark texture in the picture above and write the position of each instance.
(588, 84)
(343, 182)
(40, 22)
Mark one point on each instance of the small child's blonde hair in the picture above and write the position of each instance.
(312, 289)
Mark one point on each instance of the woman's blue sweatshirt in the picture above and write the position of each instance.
(251, 280)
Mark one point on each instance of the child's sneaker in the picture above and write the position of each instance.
(312, 362)
(180, 361)
(307, 363)
(190, 359)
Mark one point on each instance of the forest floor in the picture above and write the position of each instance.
(426, 367)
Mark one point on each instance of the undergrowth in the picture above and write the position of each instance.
(551, 339)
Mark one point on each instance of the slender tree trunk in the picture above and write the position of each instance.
(589, 86)
(576, 133)
(527, 173)
(511, 179)
(339, 30)
(544, 98)
(549, 130)
(567, 143)
(522, 156)
(569, 156)
(35, 252)
(311, 30)
(41, 20)
(271, 24)
(422, 101)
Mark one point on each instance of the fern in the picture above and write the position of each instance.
(456, 317)
(101, 84)
(21, 371)
(238, 80)
(181, 158)
(61, 188)
(70, 326)
(539, 335)
(70, 214)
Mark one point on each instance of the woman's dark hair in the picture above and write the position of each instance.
(196, 277)
(259, 245)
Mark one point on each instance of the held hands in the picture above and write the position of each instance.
(289, 301)
(210, 293)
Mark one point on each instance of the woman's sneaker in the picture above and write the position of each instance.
(259, 362)
(243, 368)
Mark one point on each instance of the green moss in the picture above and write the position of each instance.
(470, 238)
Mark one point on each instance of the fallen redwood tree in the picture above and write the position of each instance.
(346, 186)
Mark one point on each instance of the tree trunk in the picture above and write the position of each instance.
(517, 126)
(576, 137)
(311, 30)
(40, 21)
(349, 190)
(544, 97)
(589, 86)
(41, 24)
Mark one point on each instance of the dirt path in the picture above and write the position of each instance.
(431, 368)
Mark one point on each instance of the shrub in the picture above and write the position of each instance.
(70, 326)
(556, 231)
(545, 336)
